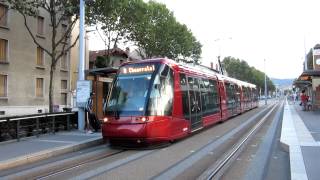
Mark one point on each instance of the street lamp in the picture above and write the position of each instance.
(219, 55)
(81, 111)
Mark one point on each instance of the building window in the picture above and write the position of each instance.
(64, 97)
(3, 85)
(3, 50)
(64, 61)
(64, 29)
(40, 25)
(64, 84)
(39, 87)
(3, 15)
(40, 56)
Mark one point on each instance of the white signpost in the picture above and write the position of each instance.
(83, 92)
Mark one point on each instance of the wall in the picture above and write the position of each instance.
(22, 70)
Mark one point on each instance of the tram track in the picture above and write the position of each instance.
(50, 168)
(192, 166)
(105, 165)
(84, 163)
(110, 161)
(218, 169)
(126, 167)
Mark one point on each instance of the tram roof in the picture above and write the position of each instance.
(195, 69)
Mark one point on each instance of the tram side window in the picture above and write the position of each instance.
(190, 82)
(235, 93)
(204, 85)
(161, 95)
(213, 105)
(249, 94)
(245, 95)
(255, 93)
(184, 93)
(230, 94)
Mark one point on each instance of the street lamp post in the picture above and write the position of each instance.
(81, 112)
(219, 55)
(265, 84)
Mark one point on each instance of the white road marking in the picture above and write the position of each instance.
(55, 141)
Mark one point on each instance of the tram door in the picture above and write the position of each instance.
(195, 103)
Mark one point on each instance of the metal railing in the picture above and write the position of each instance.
(16, 127)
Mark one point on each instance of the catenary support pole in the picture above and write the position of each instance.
(265, 84)
(81, 113)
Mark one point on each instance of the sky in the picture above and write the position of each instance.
(277, 31)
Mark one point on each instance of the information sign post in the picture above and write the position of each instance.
(84, 88)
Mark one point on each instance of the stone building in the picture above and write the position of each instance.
(25, 67)
(309, 80)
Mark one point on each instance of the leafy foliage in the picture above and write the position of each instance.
(240, 69)
(102, 62)
(150, 26)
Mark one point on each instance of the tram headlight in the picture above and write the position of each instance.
(144, 119)
(105, 120)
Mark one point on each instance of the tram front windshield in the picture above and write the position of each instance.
(142, 89)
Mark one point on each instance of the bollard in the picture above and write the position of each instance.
(68, 122)
(53, 124)
(8, 127)
(37, 126)
(18, 133)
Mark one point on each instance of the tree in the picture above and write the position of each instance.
(149, 26)
(240, 69)
(158, 33)
(102, 61)
(113, 17)
(59, 11)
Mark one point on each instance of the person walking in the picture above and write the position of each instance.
(304, 100)
(88, 109)
(294, 97)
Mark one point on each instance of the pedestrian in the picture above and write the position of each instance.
(304, 100)
(294, 97)
(88, 109)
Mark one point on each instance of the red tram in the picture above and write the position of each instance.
(161, 100)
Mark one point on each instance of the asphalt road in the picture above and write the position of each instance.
(184, 159)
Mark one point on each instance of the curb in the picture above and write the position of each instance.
(284, 143)
(263, 154)
(14, 162)
(289, 141)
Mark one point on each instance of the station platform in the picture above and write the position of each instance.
(300, 136)
(15, 153)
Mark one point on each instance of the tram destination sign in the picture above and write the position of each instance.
(137, 69)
